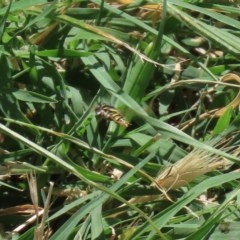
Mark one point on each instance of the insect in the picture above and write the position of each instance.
(110, 113)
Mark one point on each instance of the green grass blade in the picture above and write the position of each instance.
(163, 217)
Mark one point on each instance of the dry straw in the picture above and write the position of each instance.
(195, 164)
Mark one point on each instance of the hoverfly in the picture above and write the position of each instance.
(110, 113)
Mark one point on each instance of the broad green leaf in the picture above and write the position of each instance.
(223, 122)
(96, 223)
(23, 4)
(29, 96)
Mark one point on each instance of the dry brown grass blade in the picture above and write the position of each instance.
(32, 182)
(21, 209)
(40, 232)
(146, 9)
(41, 37)
(31, 220)
(152, 6)
(217, 112)
(236, 101)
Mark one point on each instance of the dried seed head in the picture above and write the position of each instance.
(195, 164)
